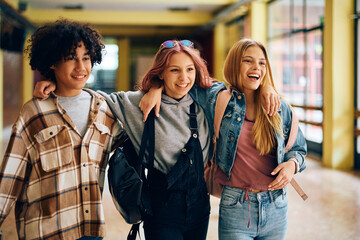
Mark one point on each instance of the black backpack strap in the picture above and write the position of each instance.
(193, 120)
(147, 137)
(151, 139)
(133, 232)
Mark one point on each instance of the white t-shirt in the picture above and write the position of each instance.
(78, 108)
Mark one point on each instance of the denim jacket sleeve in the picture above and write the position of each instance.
(299, 149)
(206, 98)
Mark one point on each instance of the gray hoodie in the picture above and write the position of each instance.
(172, 127)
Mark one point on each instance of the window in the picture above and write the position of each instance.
(295, 32)
(103, 76)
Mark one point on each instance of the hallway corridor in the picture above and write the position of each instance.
(331, 212)
(312, 61)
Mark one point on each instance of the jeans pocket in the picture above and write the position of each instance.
(228, 199)
(281, 201)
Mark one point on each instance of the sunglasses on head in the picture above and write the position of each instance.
(171, 44)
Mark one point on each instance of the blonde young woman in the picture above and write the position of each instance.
(254, 167)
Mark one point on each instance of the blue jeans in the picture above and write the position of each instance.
(90, 238)
(259, 215)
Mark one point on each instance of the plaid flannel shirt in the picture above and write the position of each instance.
(53, 174)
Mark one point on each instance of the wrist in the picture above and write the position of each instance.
(297, 165)
(156, 88)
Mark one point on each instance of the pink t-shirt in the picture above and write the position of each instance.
(251, 171)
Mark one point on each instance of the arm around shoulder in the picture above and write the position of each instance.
(206, 97)
(124, 105)
(114, 101)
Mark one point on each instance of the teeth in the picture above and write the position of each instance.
(82, 76)
(182, 85)
(254, 76)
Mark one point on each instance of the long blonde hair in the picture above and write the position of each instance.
(265, 127)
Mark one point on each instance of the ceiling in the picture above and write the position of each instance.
(121, 5)
(129, 17)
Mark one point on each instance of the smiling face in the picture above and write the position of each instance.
(253, 68)
(179, 75)
(72, 72)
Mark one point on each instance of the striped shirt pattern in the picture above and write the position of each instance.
(53, 175)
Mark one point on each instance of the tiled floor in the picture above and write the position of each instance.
(332, 211)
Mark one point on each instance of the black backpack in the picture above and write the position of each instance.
(127, 181)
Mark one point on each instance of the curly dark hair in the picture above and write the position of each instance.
(55, 41)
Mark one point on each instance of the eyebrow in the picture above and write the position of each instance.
(74, 54)
(185, 66)
(253, 57)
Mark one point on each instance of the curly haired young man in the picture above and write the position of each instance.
(54, 166)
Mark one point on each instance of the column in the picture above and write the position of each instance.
(338, 144)
(219, 50)
(258, 21)
(123, 72)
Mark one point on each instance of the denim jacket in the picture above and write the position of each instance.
(232, 122)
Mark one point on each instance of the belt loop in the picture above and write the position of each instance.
(242, 196)
(283, 193)
(271, 196)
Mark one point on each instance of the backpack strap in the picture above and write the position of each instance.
(193, 119)
(289, 145)
(293, 131)
(222, 101)
(134, 231)
(148, 139)
(298, 189)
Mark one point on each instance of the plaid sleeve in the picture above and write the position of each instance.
(13, 172)
(118, 133)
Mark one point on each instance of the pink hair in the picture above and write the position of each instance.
(161, 61)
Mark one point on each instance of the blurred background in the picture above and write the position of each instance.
(314, 53)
